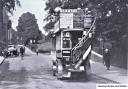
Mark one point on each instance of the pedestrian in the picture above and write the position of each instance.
(21, 51)
(107, 57)
(15, 51)
(103, 56)
(24, 50)
(37, 51)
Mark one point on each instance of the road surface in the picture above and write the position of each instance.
(35, 72)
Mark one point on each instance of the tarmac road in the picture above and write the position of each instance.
(35, 72)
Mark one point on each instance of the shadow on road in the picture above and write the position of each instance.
(8, 76)
(101, 80)
(89, 78)
(78, 77)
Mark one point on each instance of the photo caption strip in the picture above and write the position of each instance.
(112, 86)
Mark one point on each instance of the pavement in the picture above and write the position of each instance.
(1, 59)
(117, 74)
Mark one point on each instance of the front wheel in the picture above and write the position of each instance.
(54, 68)
(59, 69)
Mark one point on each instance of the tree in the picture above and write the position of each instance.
(113, 18)
(64, 4)
(112, 15)
(50, 7)
(28, 28)
(10, 6)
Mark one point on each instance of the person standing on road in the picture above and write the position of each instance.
(24, 50)
(21, 51)
(107, 57)
(37, 51)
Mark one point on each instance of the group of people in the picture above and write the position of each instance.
(14, 52)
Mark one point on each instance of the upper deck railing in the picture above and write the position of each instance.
(78, 51)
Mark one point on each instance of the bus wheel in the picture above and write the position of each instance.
(54, 68)
(59, 69)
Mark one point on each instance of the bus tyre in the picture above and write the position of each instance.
(54, 72)
(59, 69)
(54, 68)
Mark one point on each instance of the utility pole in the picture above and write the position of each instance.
(9, 31)
(5, 24)
(1, 23)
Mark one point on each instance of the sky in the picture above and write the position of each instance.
(35, 7)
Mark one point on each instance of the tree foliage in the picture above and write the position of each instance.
(112, 15)
(28, 28)
(51, 5)
(50, 8)
(10, 4)
(113, 20)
